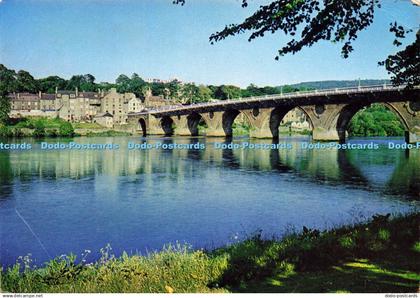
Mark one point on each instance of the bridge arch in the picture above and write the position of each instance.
(229, 118)
(348, 112)
(167, 124)
(142, 126)
(193, 120)
(278, 114)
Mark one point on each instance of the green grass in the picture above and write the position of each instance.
(108, 133)
(87, 126)
(392, 273)
(240, 129)
(32, 122)
(381, 255)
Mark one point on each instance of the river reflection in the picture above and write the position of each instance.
(61, 201)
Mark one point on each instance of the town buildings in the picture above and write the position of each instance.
(75, 106)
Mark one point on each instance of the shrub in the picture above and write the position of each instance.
(17, 132)
(39, 131)
(5, 131)
(66, 130)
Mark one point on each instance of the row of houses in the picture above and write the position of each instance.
(75, 106)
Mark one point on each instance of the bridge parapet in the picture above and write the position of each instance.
(329, 112)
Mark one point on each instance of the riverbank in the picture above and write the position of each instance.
(381, 255)
(40, 127)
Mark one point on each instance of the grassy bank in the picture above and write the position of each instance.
(40, 127)
(381, 255)
(37, 127)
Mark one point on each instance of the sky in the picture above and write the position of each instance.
(157, 39)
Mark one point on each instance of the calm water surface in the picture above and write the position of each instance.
(56, 202)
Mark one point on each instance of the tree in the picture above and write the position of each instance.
(189, 94)
(405, 65)
(204, 93)
(82, 82)
(49, 84)
(310, 21)
(74, 82)
(88, 83)
(105, 86)
(172, 90)
(158, 89)
(252, 90)
(8, 85)
(227, 92)
(137, 85)
(123, 83)
(376, 120)
(8, 82)
(26, 82)
(4, 108)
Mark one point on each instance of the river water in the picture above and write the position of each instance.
(54, 202)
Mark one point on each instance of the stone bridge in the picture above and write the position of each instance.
(329, 112)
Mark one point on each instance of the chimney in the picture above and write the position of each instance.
(77, 92)
(39, 94)
(56, 90)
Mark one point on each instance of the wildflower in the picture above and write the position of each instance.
(169, 289)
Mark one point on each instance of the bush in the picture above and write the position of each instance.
(66, 130)
(17, 132)
(39, 131)
(5, 131)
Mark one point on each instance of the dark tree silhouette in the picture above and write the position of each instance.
(404, 65)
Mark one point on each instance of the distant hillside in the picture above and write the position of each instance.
(338, 84)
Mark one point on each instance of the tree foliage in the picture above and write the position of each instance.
(26, 82)
(312, 20)
(405, 65)
(376, 120)
(7, 85)
(186, 93)
(49, 84)
(82, 83)
(66, 129)
(4, 109)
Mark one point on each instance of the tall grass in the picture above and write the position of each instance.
(178, 268)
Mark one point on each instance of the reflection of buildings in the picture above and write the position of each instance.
(333, 166)
(78, 106)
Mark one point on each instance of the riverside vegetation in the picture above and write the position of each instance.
(37, 127)
(40, 127)
(380, 255)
